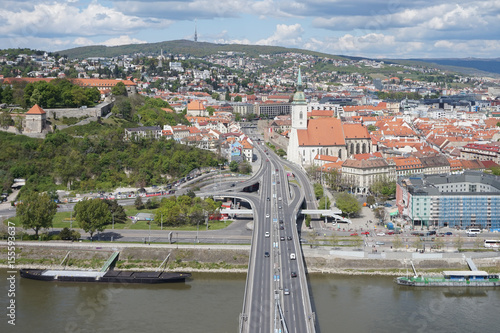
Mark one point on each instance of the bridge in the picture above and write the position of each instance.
(334, 213)
(276, 295)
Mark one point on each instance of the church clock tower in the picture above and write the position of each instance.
(299, 107)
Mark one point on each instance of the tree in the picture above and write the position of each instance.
(370, 200)
(384, 188)
(233, 166)
(238, 99)
(36, 211)
(418, 244)
(138, 203)
(332, 179)
(6, 119)
(312, 236)
(347, 203)
(357, 241)
(478, 243)
(459, 242)
(210, 110)
(92, 215)
(334, 239)
(439, 243)
(308, 221)
(324, 203)
(119, 89)
(318, 190)
(67, 234)
(117, 211)
(372, 128)
(380, 213)
(397, 243)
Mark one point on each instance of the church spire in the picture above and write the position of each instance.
(299, 80)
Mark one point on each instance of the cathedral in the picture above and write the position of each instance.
(323, 136)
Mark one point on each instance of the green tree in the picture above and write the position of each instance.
(308, 221)
(324, 205)
(347, 203)
(92, 215)
(233, 166)
(119, 89)
(117, 211)
(380, 213)
(357, 241)
(370, 200)
(318, 190)
(138, 203)
(372, 128)
(36, 211)
(238, 99)
(384, 188)
(332, 179)
(6, 119)
(210, 110)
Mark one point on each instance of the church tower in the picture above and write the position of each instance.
(299, 122)
(299, 107)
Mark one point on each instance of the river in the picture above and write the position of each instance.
(212, 303)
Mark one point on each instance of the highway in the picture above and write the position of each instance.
(275, 256)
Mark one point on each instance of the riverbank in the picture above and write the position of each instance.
(233, 258)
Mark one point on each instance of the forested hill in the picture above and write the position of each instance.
(186, 47)
(99, 162)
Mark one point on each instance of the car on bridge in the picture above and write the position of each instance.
(293, 274)
(292, 256)
(267, 234)
(289, 238)
(282, 238)
(266, 254)
(286, 291)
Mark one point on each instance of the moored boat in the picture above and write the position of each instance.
(110, 276)
(472, 278)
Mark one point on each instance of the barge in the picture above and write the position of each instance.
(105, 275)
(472, 278)
(110, 276)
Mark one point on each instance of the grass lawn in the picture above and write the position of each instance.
(63, 219)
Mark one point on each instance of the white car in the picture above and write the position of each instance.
(267, 215)
(267, 234)
(381, 234)
(292, 256)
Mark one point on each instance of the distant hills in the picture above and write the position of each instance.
(187, 47)
(468, 66)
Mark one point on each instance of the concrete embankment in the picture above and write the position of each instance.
(234, 258)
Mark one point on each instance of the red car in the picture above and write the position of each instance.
(390, 233)
(354, 234)
(365, 233)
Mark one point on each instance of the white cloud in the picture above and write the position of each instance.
(122, 40)
(284, 35)
(65, 19)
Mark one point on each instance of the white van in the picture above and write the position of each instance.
(292, 256)
(473, 232)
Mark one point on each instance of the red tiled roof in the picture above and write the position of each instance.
(36, 110)
(322, 132)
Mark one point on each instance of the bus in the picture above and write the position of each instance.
(492, 243)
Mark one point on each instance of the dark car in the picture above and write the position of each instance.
(282, 227)
(289, 238)
(281, 221)
(294, 274)
(268, 199)
(266, 254)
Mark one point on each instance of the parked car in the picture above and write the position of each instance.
(365, 233)
(354, 234)
(390, 233)
(381, 234)
(379, 243)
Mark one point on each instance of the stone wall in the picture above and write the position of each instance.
(98, 111)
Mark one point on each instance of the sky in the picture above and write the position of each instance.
(367, 28)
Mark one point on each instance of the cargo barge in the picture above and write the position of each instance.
(111, 276)
(106, 275)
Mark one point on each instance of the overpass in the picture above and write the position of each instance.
(334, 213)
